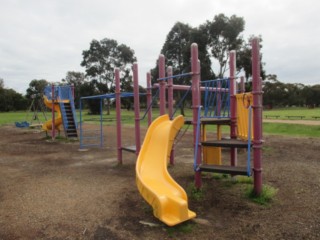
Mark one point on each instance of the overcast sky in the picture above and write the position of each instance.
(44, 39)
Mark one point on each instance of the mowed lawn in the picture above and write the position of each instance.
(8, 118)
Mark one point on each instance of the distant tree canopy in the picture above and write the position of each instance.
(279, 94)
(10, 100)
(215, 40)
(102, 58)
(36, 87)
(100, 61)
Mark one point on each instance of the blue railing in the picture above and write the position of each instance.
(216, 98)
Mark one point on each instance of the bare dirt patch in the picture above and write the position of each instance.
(50, 190)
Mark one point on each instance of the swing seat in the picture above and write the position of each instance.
(22, 124)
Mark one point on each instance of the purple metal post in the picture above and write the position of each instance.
(72, 90)
(257, 119)
(233, 106)
(53, 129)
(170, 92)
(242, 86)
(118, 114)
(149, 97)
(136, 106)
(196, 101)
(162, 91)
(170, 105)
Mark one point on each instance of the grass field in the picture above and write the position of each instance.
(283, 113)
(128, 119)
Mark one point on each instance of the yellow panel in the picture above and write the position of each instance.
(167, 198)
(244, 100)
(212, 155)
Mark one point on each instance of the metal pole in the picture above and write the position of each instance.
(242, 86)
(233, 106)
(162, 93)
(170, 92)
(81, 135)
(195, 68)
(118, 114)
(136, 106)
(149, 97)
(101, 127)
(170, 105)
(53, 133)
(257, 117)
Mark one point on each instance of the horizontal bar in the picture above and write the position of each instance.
(186, 88)
(176, 76)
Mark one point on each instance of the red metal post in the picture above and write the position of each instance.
(53, 129)
(162, 91)
(233, 106)
(72, 90)
(196, 101)
(170, 105)
(118, 114)
(170, 92)
(242, 86)
(149, 98)
(257, 116)
(136, 106)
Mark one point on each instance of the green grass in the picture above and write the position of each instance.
(194, 193)
(128, 120)
(293, 111)
(184, 228)
(267, 195)
(291, 129)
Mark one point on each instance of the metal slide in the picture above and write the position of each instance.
(167, 198)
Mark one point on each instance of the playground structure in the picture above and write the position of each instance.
(60, 100)
(222, 106)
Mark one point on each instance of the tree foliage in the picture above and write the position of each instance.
(224, 35)
(75, 79)
(36, 87)
(10, 100)
(102, 58)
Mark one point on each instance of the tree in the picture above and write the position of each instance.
(10, 100)
(1, 83)
(102, 58)
(223, 36)
(244, 59)
(76, 79)
(36, 87)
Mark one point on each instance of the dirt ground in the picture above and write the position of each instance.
(51, 190)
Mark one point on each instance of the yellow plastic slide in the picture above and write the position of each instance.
(58, 119)
(157, 187)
